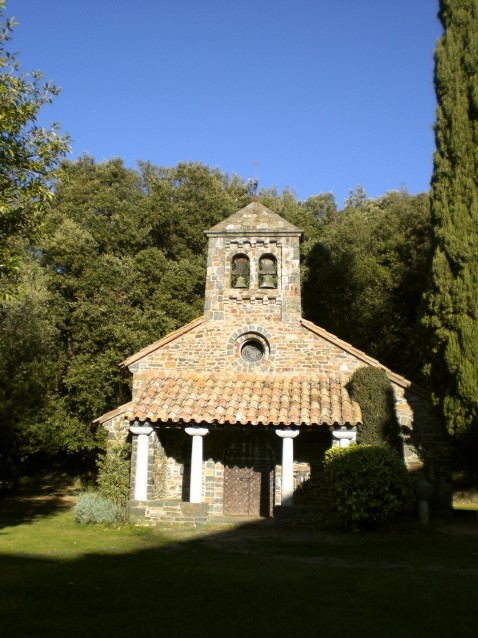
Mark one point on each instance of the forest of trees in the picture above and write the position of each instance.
(98, 260)
(121, 262)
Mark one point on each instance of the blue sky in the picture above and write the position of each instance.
(324, 94)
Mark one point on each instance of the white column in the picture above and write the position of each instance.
(287, 491)
(345, 437)
(141, 475)
(195, 491)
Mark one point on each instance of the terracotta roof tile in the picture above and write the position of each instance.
(270, 400)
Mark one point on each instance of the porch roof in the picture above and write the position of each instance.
(243, 398)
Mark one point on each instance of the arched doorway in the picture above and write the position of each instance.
(249, 478)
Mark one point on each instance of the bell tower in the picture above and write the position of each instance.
(253, 267)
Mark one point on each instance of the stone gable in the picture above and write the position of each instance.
(216, 346)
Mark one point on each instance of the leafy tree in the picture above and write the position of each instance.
(452, 299)
(311, 216)
(29, 155)
(357, 197)
(322, 207)
(366, 275)
(121, 262)
(28, 350)
(186, 200)
(97, 230)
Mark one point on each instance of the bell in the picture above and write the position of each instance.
(267, 272)
(240, 266)
(240, 269)
(240, 282)
(267, 281)
(267, 266)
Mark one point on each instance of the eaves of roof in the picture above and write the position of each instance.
(112, 413)
(343, 345)
(243, 398)
(172, 336)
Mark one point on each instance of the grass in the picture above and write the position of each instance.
(59, 579)
(466, 500)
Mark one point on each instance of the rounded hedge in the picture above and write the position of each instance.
(93, 507)
(368, 483)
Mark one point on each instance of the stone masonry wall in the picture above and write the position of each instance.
(222, 299)
(272, 316)
(215, 346)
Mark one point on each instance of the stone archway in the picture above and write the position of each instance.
(249, 478)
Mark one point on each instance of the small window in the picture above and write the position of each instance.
(252, 350)
(240, 274)
(267, 271)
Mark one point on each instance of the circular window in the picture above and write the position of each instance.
(249, 350)
(252, 351)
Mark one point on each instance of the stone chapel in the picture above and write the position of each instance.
(231, 414)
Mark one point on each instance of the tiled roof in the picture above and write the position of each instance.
(254, 218)
(112, 413)
(244, 398)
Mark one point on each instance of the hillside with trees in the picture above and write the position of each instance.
(98, 260)
(121, 262)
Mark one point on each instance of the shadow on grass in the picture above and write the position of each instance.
(20, 510)
(39, 497)
(254, 581)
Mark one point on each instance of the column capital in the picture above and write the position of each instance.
(141, 429)
(344, 434)
(345, 437)
(287, 434)
(192, 431)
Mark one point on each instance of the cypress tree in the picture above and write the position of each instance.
(451, 314)
(373, 391)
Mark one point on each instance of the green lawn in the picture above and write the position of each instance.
(58, 579)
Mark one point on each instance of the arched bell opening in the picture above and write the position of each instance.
(240, 271)
(267, 271)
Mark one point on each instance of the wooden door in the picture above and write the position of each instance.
(249, 478)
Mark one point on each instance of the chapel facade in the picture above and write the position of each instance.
(231, 414)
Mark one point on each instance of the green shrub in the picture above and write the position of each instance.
(368, 483)
(114, 475)
(93, 507)
(373, 391)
